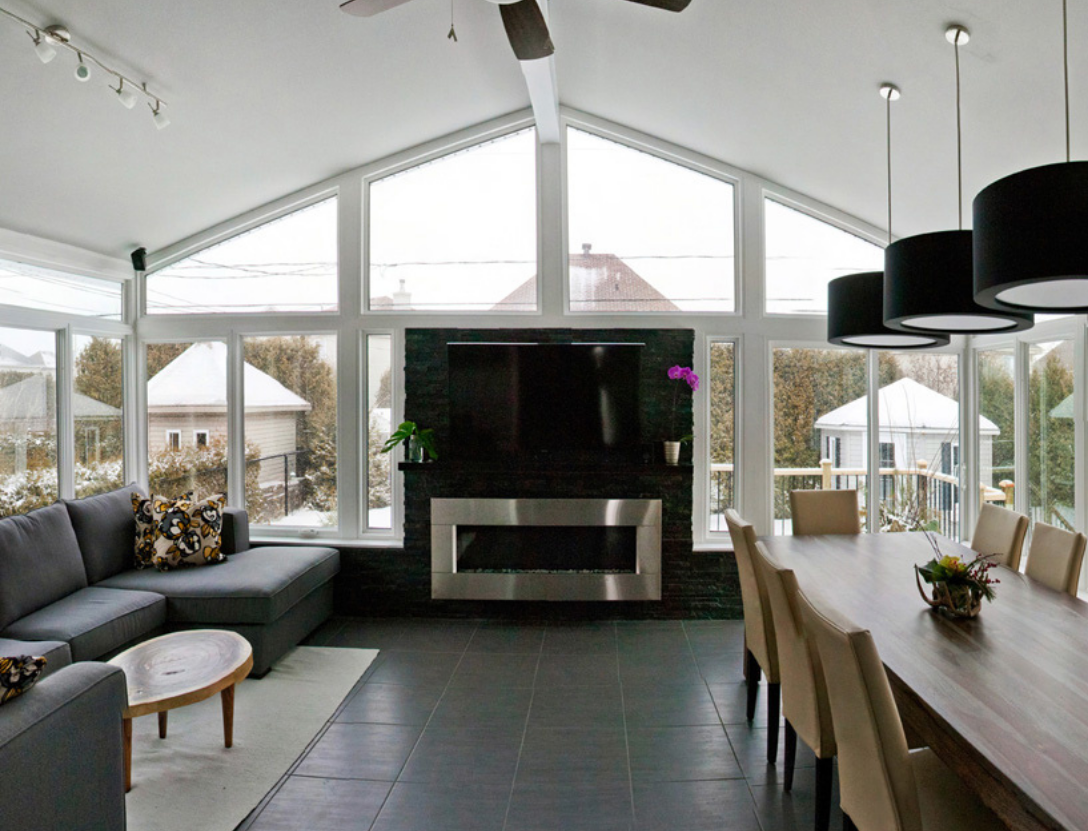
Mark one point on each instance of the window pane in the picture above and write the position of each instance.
(722, 424)
(187, 392)
(646, 234)
(290, 424)
(97, 405)
(28, 420)
(379, 360)
(920, 442)
(56, 291)
(804, 254)
(1051, 446)
(286, 265)
(997, 425)
(821, 425)
(458, 234)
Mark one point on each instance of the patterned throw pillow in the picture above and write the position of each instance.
(179, 532)
(17, 675)
(145, 529)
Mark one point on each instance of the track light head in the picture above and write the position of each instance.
(42, 47)
(57, 34)
(126, 96)
(160, 118)
(83, 72)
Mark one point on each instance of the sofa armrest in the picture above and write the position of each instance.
(62, 742)
(235, 530)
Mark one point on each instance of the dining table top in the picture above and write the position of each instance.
(1001, 698)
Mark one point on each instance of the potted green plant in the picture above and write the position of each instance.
(416, 440)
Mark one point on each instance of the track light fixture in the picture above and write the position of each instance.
(126, 96)
(47, 39)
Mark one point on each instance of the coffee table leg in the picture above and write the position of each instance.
(162, 724)
(128, 754)
(228, 716)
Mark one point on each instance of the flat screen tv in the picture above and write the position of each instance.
(544, 400)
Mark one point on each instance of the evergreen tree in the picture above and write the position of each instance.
(99, 373)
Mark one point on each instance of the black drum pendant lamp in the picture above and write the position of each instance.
(1031, 232)
(855, 303)
(929, 278)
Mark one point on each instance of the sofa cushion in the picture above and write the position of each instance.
(18, 673)
(93, 621)
(106, 531)
(235, 530)
(255, 586)
(57, 653)
(39, 562)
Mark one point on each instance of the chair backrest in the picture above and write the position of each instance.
(1000, 531)
(804, 692)
(876, 779)
(825, 512)
(1055, 557)
(758, 624)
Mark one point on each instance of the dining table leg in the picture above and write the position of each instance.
(127, 732)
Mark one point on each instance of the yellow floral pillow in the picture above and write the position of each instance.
(17, 675)
(184, 532)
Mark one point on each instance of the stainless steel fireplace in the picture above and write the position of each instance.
(546, 549)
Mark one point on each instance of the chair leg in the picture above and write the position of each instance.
(791, 756)
(823, 797)
(753, 685)
(774, 702)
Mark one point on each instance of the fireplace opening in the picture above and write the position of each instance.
(547, 548)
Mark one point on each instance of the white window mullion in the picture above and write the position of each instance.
(66, 429)
(872, 491)
(236, 432)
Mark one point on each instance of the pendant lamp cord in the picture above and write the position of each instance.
(888, 101)
(959, 135)
(1065, 66)
(453, 32)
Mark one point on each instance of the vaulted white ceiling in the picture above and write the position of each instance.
(268, 96)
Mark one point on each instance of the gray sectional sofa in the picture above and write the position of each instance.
(68, 591)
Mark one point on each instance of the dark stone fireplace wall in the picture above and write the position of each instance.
(398, 582)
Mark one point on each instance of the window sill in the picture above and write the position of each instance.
(334, 542)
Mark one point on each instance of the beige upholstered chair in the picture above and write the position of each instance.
(1000, 531)
(825, 512)
(761, 647)
(882, 784)
(1055, 557)
(804, 692)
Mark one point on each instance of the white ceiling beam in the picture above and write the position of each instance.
(543, 91)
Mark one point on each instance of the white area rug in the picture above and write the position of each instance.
(190, 781)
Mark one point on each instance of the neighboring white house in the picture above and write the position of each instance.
(916, 424)
(187, 406)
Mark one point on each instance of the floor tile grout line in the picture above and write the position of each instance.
(524, 732)
(426, 724)
(626, 738)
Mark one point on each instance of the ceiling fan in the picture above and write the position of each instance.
(523, 19)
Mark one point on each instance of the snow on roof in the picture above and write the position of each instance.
(197, 378)
(29, 399)
(1064, 408)
(905, 405)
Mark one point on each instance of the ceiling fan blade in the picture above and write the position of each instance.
(369, 8)
(527, 30)
(667, 5)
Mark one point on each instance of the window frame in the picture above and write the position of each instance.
(667, 152)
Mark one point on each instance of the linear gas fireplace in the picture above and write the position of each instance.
(546, 549)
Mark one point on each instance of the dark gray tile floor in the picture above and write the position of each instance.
(480, 725)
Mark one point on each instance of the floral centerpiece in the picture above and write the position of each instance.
(958, 586)
(686, 376)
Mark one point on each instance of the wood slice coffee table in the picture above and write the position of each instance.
(178, 669)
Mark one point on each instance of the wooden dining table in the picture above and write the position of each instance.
(1002, 699)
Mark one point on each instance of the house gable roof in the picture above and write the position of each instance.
(29, 400)
(197, 379)
(904, 405)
